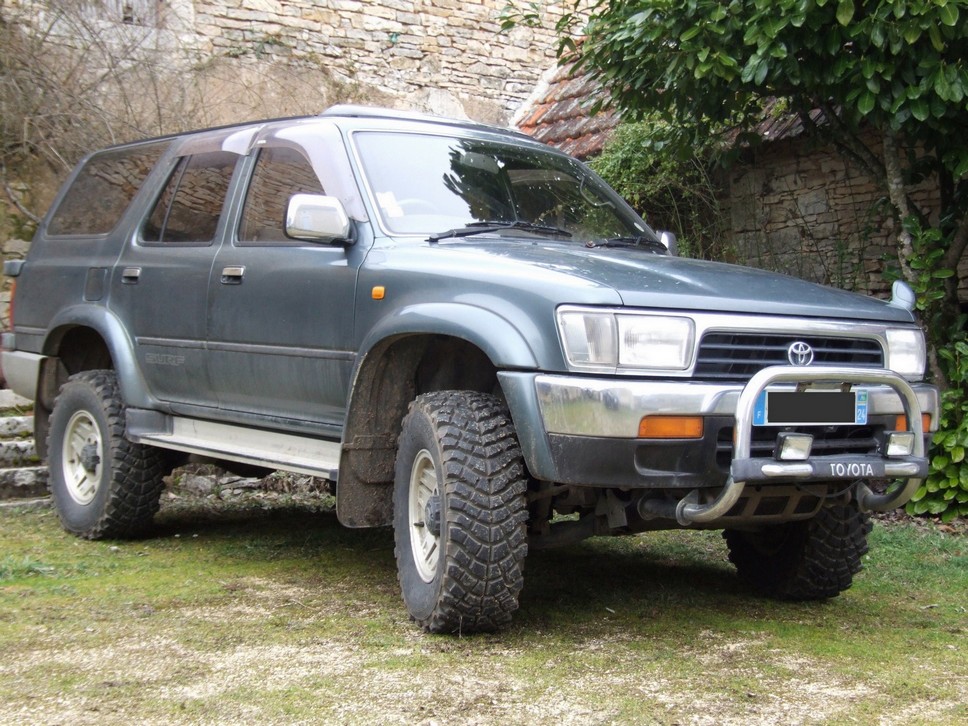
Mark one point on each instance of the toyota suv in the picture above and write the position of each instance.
(475, 339)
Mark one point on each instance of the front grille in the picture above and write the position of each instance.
(739, 356)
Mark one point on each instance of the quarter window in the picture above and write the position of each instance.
(103, 190)
(190, 205)
(279, 173)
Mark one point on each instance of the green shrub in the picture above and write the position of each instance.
(945, 491)
(675, 190)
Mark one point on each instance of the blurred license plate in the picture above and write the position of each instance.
(810, 408)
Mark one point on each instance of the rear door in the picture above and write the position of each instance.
(160, 285)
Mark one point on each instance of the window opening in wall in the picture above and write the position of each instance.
(128, 12)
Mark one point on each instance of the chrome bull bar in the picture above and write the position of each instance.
(744, 469)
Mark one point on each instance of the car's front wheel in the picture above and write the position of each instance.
(809, 560)
(459, 512)
(102, 484)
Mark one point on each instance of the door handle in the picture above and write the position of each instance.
(233, 274)
(130, 275)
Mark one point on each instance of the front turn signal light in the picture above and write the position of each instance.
(671, 427)
(901, 423)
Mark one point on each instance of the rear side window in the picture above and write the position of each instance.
(103, 190)
(279, 173)
(191, 203)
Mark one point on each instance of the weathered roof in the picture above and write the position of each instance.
(558, 113)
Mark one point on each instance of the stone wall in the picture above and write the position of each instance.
(442, 56)
(800, 209)
(434, 55)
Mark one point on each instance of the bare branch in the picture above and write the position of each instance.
(14, 199)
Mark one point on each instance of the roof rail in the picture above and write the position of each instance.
(358, 111)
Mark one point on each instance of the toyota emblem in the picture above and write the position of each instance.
(800, 354)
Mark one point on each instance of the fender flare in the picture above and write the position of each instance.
(503, 343)
(134, 389)
(362, 503)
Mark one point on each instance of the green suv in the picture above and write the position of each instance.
(473, 337)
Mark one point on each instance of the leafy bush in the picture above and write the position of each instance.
(945, 491)
(675, 190)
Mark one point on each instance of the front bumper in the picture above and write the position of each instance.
(591, 433)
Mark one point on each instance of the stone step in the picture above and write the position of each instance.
(14, 427)
(14, 454)
(10, 401)
(23, 483)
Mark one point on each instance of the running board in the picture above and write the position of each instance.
(271, 449)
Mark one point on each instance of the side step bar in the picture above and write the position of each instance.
(271, 449)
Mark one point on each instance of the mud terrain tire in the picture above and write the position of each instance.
(810, 560)
(459, 512)
(103, 485)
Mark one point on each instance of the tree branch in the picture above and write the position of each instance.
(13, 197)
(894, 179)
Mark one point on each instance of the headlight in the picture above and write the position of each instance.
(905, 352)
(603, 340)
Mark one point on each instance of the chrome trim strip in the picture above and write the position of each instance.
(170, 342)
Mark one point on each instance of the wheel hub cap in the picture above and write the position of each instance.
(432, 515)
(89, 458)
(424, 511)
(81, 457)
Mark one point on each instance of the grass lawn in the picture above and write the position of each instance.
(276, 614)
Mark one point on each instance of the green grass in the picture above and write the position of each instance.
(283, 616)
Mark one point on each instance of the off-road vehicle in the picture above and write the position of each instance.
(473, 337)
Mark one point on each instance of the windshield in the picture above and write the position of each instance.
(424, 185)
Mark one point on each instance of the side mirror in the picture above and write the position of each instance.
(902, 296)
(670, 241)
(317, 218)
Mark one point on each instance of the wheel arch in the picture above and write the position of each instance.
(86, 337)
(83, 338)
(428, 348)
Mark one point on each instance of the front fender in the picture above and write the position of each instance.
(99, 319)
(500, 340)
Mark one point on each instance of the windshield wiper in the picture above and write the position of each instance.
(647, 242)
(486, 227)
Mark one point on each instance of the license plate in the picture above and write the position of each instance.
(810, 408)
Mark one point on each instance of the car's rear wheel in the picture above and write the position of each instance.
(459, 512)
(102, 484)
(809, 560)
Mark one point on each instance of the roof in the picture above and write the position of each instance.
(558, 113)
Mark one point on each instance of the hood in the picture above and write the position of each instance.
(643, 279)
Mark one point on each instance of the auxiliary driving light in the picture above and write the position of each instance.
(898, 444)
(793, 447)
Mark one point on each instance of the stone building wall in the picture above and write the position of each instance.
(801, 209)
(434, 55)
(442, 56)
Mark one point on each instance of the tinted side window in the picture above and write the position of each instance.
(279, 173)
(189, 207)
(103, 190)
